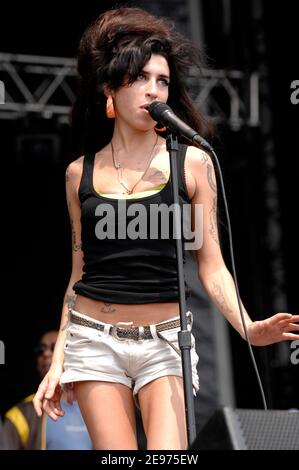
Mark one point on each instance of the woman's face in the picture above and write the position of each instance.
(151, 85)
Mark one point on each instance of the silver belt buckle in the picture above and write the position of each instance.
(114, 331)
(140, 334)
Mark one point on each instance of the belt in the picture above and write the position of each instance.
(137, 333)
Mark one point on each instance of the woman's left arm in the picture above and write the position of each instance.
(213, 273)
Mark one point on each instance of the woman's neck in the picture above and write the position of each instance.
(127, 141)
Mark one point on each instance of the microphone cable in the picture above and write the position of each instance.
(209, 149)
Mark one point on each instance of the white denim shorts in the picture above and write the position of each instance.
(90, 354)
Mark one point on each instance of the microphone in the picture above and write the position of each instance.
(161, 112)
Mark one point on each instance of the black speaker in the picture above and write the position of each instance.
(237, 429)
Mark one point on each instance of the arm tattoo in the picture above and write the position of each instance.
(203, 157)
(210, 179)
(213, 221)
(108, 308)
(69, 300)
(219, 298)
(76, 246)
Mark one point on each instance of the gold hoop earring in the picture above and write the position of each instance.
(161, 129)
(110, 111)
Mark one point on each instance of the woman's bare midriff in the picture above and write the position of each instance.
(139, 314)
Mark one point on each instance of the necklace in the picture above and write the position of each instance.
(119, 169)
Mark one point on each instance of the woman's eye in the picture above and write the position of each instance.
(164, 81)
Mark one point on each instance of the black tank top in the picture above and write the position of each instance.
(117, 268)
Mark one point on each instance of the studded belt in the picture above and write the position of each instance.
(136, 333)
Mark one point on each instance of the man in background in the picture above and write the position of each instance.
(23, 429)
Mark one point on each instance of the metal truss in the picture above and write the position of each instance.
(37, 84)
(229, 97)
(47, 86)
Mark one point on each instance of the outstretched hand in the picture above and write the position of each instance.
(48, 395)
(274, 329)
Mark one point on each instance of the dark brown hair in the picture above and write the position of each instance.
(113, 50)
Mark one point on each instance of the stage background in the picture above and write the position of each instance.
(260, 166)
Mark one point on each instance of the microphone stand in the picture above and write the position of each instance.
(184, 335)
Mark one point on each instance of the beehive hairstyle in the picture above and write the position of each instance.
(112, 51)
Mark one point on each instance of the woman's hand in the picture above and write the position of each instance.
(274, 329)
(49, 393)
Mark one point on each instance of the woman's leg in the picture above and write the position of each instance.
(163, 413)
(109, 413)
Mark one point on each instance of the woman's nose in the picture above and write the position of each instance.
(152, 89)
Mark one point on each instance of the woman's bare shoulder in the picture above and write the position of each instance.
(74, 170)
(73, 173)
(195, 163)
(75, 167)
(197, 158)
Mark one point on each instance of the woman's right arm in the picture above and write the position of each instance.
(48, 395)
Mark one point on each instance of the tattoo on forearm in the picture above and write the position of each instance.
(76, 246)
(213, 221)
(210, 178)
(69, 300)
(220, 299)
(108, 308)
